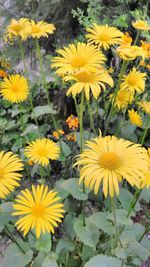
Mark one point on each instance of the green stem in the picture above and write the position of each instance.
(81, 144)
(142, 139)
(46, 89)
(144, 233)
(134, 201)
(137, 37)
(27, 76)
(67, 258)
(13, 239)
(41, 173)
(123, 68)
(77, 109)
(115, 221)
(91, 117)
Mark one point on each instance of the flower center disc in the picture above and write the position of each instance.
(38, 210)
(83, 76)
(17, 28)
(42, 152)
(35, 29)
(110, 161)
(104, 37)
(15, 88)
(131, 81)
(78, 62)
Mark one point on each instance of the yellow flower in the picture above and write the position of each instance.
(76, 58)
(104, 36)
(145, 105)
(110, 160)
(42, 150)
(18, 29)
(148, 66)
(3, 74)
(130, 52)
(86, 80)
(41, 29)
(39, 209)
(134, 81)
(146, 48)
(71, 137)
(56, 134)
(135, 118)
(10, 165)
(73, 122)
(141, 25)
(14, 88)
(145, 182)
(126, 39)
(123, 98)
(142, 63)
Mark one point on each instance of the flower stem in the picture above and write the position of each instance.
(8, 233)
(81, 144)
(91, 117)
(147, 229)
(122, 71)
(27, 76)
(145, 132)
(115, 221)
(137, 37)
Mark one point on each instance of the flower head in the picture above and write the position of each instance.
(104, 36)
(42, 150)
(141, 25)
(10, 166)
(73, 122)
(146, 48)
(130, 52)
(145, 105)
(126, 39)
(123, 98)
(14, 88)
(18, 29)
(145, 181)
(41, 29)
(134, 81)
(39, 209)
(71, 137)
(58, 133)
(3, 73)
(89, 81)
(135, 118)
(110, 160)
(76, 58)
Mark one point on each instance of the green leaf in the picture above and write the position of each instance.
(72, 186)
(29, 129)
(50, 260)
(62, 193)
(121, 217)
(99, 219)
(125, 197)
(15, 258)
(145, 194)
(103, 261)
(88, 234)
(44, 243)
(66, 150)
(68, 225)
(5, 213)
(87, 253)
(39, 259)
(64, 246)
(41, 110)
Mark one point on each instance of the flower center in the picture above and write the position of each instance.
(42, 152)
(110, 161)
(17, 28)
(38, 210)
(131, 81)
(15, 88)
(83, 76)
(36, 29)
(104, 37)
(1, 173)
(78, 62)
(121, 96)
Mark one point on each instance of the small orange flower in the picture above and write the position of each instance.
(3, 74)
(56, 134)
(146, 48)
(126, 39)
(30, 162)
(71, 137)
(73, 122)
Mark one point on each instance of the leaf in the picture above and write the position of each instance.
(88, 234)
(64, 246)
(15, 258)
(50, 260)
(68, 225)
(99, 219)
(39, 259)
(145, 194)
(72, 186)
(29, 129)
(66, 150)
(62, 193)
(5, 213)
(103, 261)
(125, 197)
(121, 217)
(41, 110)
(44, 243)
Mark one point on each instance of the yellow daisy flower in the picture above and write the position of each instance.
(14, 88)
(104, 36)
(141, 25)
(78, 57)
(126, 39)
(110, 160)
(39, 209)
(41, 29)
(10, 165)
(42, 150)
(145, 105)
(146, 48)
(135, 118)
(123, 98)
(18, 29)
(86, 80)
(134, 81)
(130, 52)
(146, 178)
